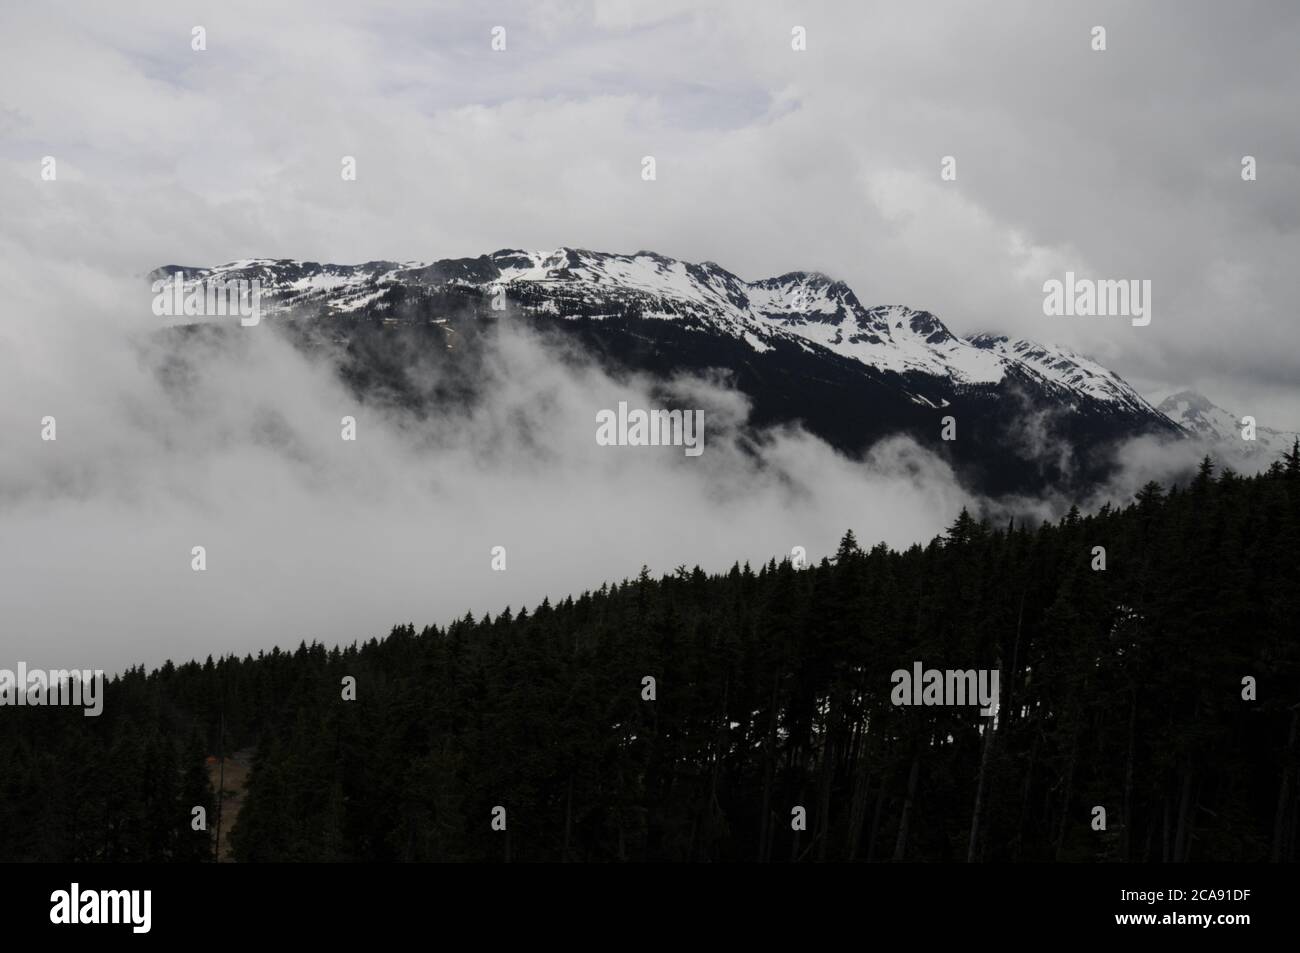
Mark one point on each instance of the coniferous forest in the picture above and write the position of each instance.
(1164, 688)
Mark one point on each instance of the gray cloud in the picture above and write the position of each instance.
(1120, 164)
(308, 536)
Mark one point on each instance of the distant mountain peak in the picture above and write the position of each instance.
(803, 305)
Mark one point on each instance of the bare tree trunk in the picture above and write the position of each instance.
(824, 785)
(1015, 663)
(858, 807)
(979, 791)
(900, 846)
(1284, 790)
(1182, 840)
(619, 814)
(221, 782)
(1024, 796)
(1164, 835)
(712, 807)
(1069, 792)
(769, 771)
(1295, 812)
(1126, 837)
(568, 820)
(875, 817)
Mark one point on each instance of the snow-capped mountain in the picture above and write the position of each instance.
(807, 305)
(801, 345)
(1064, 368)
(1221, 429)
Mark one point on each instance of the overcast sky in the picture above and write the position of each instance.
(1124, 163)
(1117, 164)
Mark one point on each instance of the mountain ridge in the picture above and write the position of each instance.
(1213, 425)
(801, 346)
(810, 305)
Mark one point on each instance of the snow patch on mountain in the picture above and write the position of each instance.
(1065, 368)
(806, 307)
(1222, 430)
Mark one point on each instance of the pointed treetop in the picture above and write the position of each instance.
(1291, 459)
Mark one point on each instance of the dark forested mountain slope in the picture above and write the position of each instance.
(1120, 689)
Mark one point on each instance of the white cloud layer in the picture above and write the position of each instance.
(310, 536)
(1118, 164)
